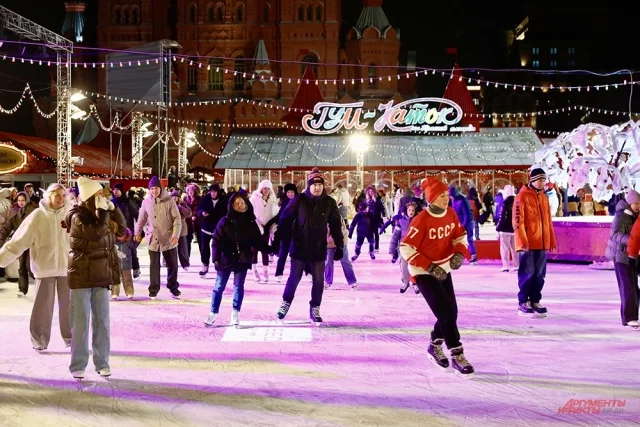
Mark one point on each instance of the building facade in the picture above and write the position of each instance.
(229, 41)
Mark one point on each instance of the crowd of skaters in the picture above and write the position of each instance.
(433, 229)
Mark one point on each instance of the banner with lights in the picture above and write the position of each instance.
(11, 159)
(416, 115)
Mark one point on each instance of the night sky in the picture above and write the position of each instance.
(427, 27)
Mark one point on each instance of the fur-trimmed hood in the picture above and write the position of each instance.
(264, 210)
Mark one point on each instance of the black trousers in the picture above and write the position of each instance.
(264, 255)
(442, 301)
(376, 235)
(205, 248)
(627, 277)
(23, 272)
(360, 241)
(171, 257)
(317, 275)
(183, 252)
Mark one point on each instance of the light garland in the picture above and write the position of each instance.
(326, 82)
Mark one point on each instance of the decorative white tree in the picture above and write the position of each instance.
(605, 157)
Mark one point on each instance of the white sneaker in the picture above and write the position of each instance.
(235, 317)
(78, 374)
(211, 319)
(20, 294)
(105, 372)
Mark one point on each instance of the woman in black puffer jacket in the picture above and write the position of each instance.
(505, 230)
(232, 245)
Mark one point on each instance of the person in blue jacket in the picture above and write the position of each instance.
(461, 205)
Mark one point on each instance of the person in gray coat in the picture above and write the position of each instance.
(161, 217)
(626, 272)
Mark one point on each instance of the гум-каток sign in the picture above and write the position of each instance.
(11, 159)
(416, 115)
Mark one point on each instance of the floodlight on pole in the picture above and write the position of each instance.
(77, 97)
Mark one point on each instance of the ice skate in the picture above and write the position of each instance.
(153, 295)
(505, 270)
(372, 255)
(136, 273)
(354, 286)
(284, 309)
(104, 372)
(20, 294)
(415, 288)
(355, 257)
(235, 318)
(404, 288)
(314, 314)
(279, 279)
(265, 274)
(256, 275)
(78, 374)
(460, 363)
(539, 311)
(632, 324)
(436, 354)
(327, 285)
(473, 260)
(175, 294)
(211, 319)
(394, 259)
(524, 309)
(204, 270)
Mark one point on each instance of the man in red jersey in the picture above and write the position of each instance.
(436, 244)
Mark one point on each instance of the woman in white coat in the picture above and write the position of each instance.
(44, 233)
(265, 208)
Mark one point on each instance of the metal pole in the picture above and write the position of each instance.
(63, 85)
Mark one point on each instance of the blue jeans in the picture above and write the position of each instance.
(90, 303)
(470, 241)
(531, 274)
(347, 267)
(221, 283)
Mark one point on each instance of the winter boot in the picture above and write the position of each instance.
(460, 363)
(524, 309)
(284, 309)
(436, 354)
(314, 314)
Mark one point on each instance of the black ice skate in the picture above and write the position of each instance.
(473, 260)
(524, 309)
(355, 257)
(175, 294)
(539, 311)
(394, 259)
(404, 287)
(372, 255)
(284, 309)
(314, 314)
(436, 355)
(460, 363)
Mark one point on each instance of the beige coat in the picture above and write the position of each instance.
(162, 220)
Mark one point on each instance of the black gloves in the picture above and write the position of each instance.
(456, 261)
(338, 254)
(437, 272)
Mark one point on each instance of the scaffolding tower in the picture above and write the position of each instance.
(64, 48)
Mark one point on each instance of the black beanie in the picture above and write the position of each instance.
(290, 187)
(536, 174)
(315, 177)
(119, 186)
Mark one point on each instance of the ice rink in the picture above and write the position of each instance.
(365, 366)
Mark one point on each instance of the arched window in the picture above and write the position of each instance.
(373, 76)
(211, 14)
(319, 13)
(202, 128)
(238, 79)
(310, 60)
(309, 13)
(217, 131)
(266, 12)
(125, 16)
(220, 14)
(300, 13)
(216, 74)
(135, 15)
(192, 76)
(192, 13)
(117, 16)
(239, 13)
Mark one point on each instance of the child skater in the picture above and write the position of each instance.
(435, 245)
(365, 224)
(394, 223)
(347, 267)
(125, 257)
(233, 243)
(398, 234)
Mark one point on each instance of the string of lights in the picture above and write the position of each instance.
(298, 80)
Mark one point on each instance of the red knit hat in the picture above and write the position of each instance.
(432, 188)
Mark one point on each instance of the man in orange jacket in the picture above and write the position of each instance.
(534, 236)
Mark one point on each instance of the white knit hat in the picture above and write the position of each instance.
(87, 188)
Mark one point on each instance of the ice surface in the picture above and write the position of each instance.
(366, 366)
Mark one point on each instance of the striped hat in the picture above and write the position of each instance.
(536, 174)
